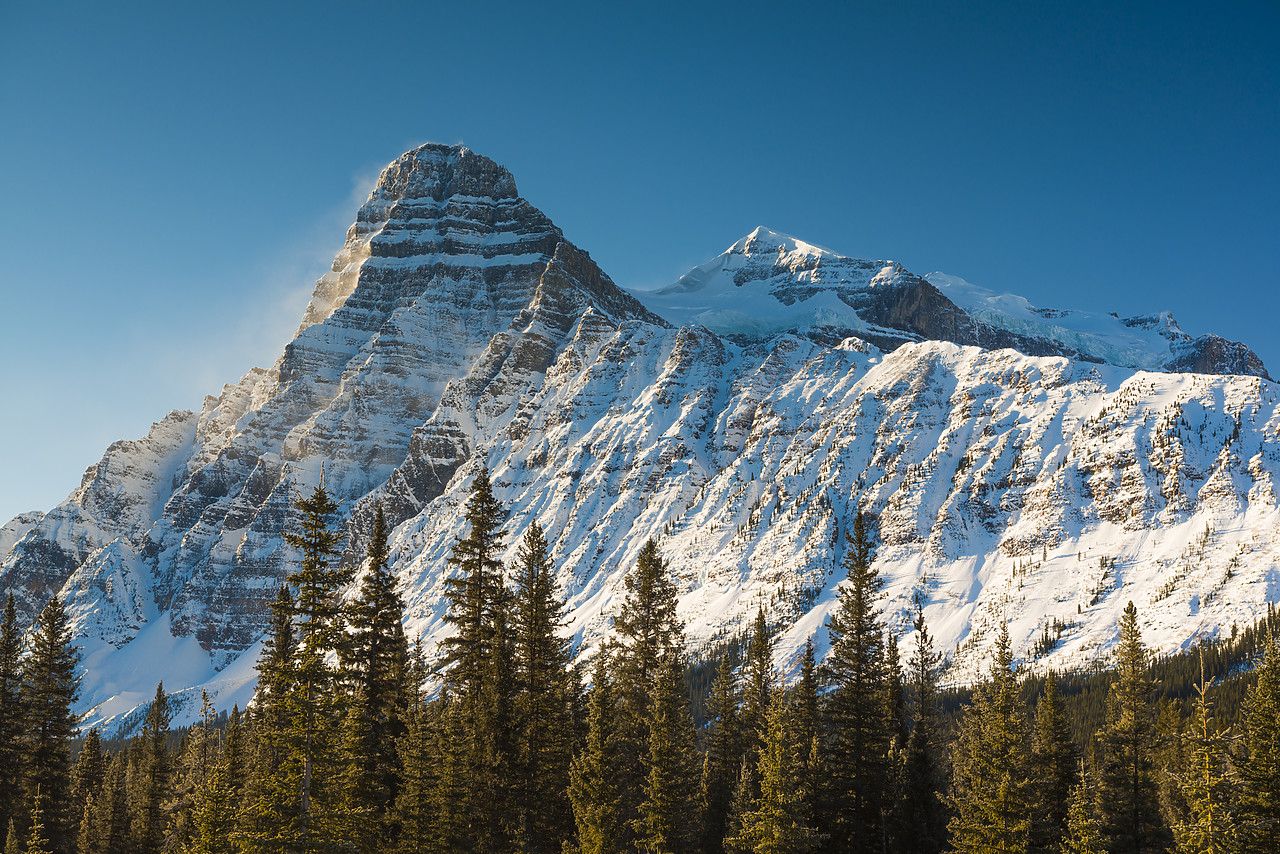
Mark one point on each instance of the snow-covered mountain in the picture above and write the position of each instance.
(786, 387)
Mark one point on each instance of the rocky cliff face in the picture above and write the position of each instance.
(458, 328)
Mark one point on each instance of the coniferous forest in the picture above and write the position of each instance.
(354, 742)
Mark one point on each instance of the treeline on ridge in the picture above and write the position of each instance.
(354, 743)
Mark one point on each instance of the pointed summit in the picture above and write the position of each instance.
(766, 241)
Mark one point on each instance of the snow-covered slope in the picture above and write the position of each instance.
(769, 282)
(459, 328)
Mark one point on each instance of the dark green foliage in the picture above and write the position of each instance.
(1207, 788)
(669, 819)
(722, 757)
(1258, 763)
(780, 821)
(545, 731)
(379, 668)
(12, 719)
(87, 775)
(152, 770)
(1083, 834)
(757, 689)
(990, 791)
(858, 721)
(922, 822)
(1128, 794)
(104, 826)
(594, 780)
(1054, 772)
(49, 689)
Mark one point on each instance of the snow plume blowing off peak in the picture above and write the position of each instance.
(740, 416)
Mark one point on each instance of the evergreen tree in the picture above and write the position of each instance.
(359, 820)
(191, 775)
(1054, 760)
(11, 842)
(213, 816)
(104, 827)
(413, 804)
(669, 820)
(49, 689)
(647, 632)
(780, 822)
(722, 760)
(990, 796)
(543, 701)
(37, 843)
(1207, 789)
(1128, 793)
(594, 786)
(858, 714)
(923, 820)
(757, 689)
(147, 816)
(808, 728)
(12, 719)
(1083, 834)
(86, 776)
(380, 665)
(1259, 762)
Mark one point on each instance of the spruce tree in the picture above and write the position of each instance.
(379, 661)
(1054, 763)
(780, 822)
(154, 767)
(49, 689)
(722, 759)
(808, 728)
(213, 816)
(413, 816)
(1258, 763)
(543, 700)
(594, 784)
(990, 789)
(1128, 792)
(757, 689)
(669, 819)
(1083, 834)
(86, 776)
(923, 820)
(647, 631)
(858, 713)
(1206, 785)
(104, 827)
(12, 719)
(37, 841)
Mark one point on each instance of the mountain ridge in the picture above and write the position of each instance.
(459, 328)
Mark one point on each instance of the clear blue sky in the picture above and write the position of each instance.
(173, 180)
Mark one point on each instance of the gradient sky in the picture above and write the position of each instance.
(173, 180)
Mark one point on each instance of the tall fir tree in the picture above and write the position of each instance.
(990, 789)
(49, 690)
(379, 662)
(780, 822)
(858, 716)
(594, 779)
(647, 631)
(104, 826)
(37, 841)
(669, 820)
(757, 690)
(923, 826)
(1207, 786)
(153, 770)
(1128, 792)
(413, 816)
(722, 758)
(87, 774)
(1054, 763)
(12, 719)
(1258, 762)
(1083, 834)
(543, 700)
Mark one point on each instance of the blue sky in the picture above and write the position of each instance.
(173, 179)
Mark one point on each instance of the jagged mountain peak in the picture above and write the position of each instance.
(438, 171)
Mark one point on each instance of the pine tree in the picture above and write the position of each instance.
(213, 816)
(722, 760)
(1083, 834)
(37, 843)
(191, 775)
(1128, 793)
(923, 820)
(12, 719)
(669, 821)
(104, 827)
(413, 805)
(594, 786)
(858, 714)
(154, 767)
(647, 632)
(359, 816)
(49, 689)
(86, 776)
(11, 842)
(780, 822)
(1054, 760)
(1207, 788)
(1259, 762)
(380, 664)
(543, 701)
(990, 796)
